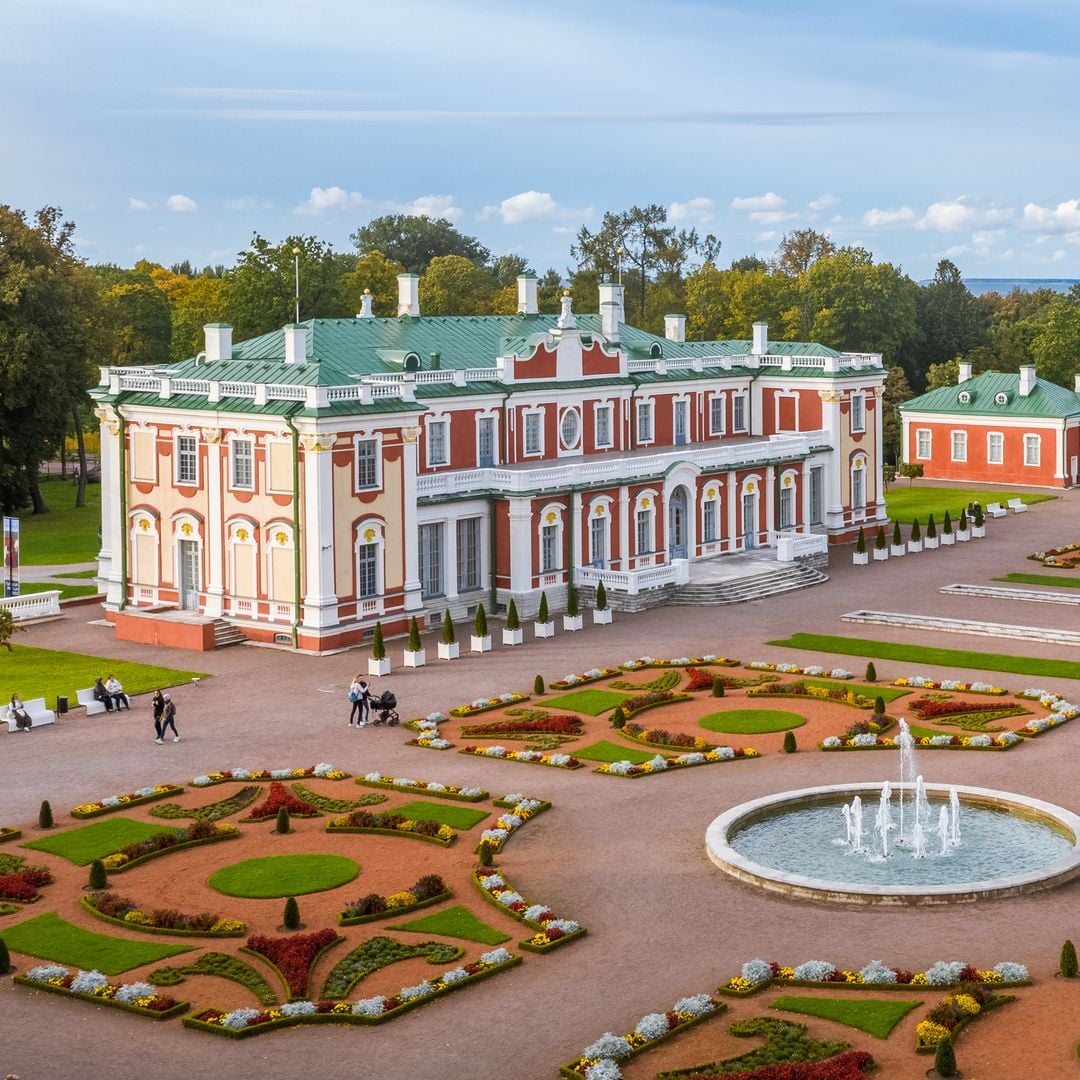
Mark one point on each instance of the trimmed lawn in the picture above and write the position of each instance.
(889, 693)
(64, 534)
(457, 922)
(1051, 580)
(609, 751)
(924, 732)
(876, 1018)
(924, 654)
(751, 721)
(77, 574)
(46, 672)
(48, 937)
(589, 702)
(89, 842)
(67, 592)
(284, 875)
(904, 503)
(457, 817)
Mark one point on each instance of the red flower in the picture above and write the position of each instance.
(24, 884)
(278, 797)
(699, 680)
(293, 956)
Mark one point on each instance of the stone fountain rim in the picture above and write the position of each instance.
(802, 886)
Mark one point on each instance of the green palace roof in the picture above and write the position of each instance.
(1046, 400)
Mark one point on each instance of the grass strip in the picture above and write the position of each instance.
(1041, 579)
(283, 875)
(924, 654)
(609, 751)
(457, 817)
(67, 533)
(751, 721)
(905, 503)
(589, 702)
(876, 1018)
(89, 842)
(457, 922)
(48, 937)
(67, 592)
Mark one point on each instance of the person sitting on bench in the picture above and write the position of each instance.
(23, 722)
(103, 695)
(116, 692)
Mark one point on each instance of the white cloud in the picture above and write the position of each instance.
(955, 250)
(965, 212)
(562, 229)
(762, 237)
(525, 206)
(432, 206)
(181, 204)
(985, 237)
(140, 249)
(138, 204)
(1065, 217)
(769, 201)
(876, 218)
(697, 211)
(1058, 256)
(823, 202)
(771, 217)
(246, 202)
(331, 198)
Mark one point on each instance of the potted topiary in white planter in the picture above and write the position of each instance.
(601, 613)
(978, 522)
(481, 639)
(860, 556)
(449, 649)
(572, 620)
(914, 543)
(948, 537)
(415, 654)
(881, 547)
(544, 626)
(512, 633)
(898, 547)
(378, 664)
(963, 532)
(930, 541)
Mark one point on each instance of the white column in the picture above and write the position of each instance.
(450, 568)
(320, 601)
(624, 529)
(113, 530)
(215, 526)
(731, 499)
(804, 485)
(770, 498)
(1059, 452)
(413, 598)
(522, 539)
(879, 456)
(830, 419)
(578, 527)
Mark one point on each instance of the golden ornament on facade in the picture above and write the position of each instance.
(211, 435)
(242, 535)
(369, 536)
(646, 503)
(830, 397)
(144, 524)
(599, 511)
(186, 528)
(281, 537)
(751, 487)
(410, 434)
(787, 481)
(550, 517)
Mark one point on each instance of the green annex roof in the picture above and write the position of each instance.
(1047, 400)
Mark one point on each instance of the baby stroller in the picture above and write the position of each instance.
(385, 709)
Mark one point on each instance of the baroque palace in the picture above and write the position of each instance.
(310, 482)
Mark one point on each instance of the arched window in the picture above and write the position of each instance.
(243, 559)
(645, 524)
(858, 482)
(600, 532)
(369, 549)
(788, 488)
(550, 538)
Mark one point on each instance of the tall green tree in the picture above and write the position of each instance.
(896, 391)
(800, 249)
(376, 272)
(455, 286)
(951, 320)
(726, 303)
(1056, 349)
(414, 241)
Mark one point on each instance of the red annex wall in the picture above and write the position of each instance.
(977, 469)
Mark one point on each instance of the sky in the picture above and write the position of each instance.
(920, 130)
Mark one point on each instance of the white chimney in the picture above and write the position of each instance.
(218, 341)
(295, 344)
(365, 306)
(1076, 384)
(408, 294)
(965, 371)
(761, 339)
(611, 309)
(527, 304)
(1027, 379)
(675, 327)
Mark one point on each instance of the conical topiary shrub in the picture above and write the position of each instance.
(542, 614)
(45, 815)
(879, 706)
(931, 528)
(946, 527)
(513, 620)
(790, 746)
(977, 517)
(291, 916)
(378, 646)
(538, 684)
(601, 597)
(897, 535)
(572, 607)
(485, 856)
(860, 543)
(879, 541)
(5, 958)
(945, 1058)
(916, 533)
(480, 627)
(962, 524)
(283, 824)
(618, 718)
(448, 635)
(1067, 965)
(414, 636)
(98, 878)
(871, 672)
(718, 686)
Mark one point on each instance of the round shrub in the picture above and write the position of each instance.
(98, 878)
(282, 825)
(45, 815)
(790, 746)
(291, 916)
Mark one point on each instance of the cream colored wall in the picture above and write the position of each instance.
(280, 466)
(144, 461)
(282, 573)
(390, 506)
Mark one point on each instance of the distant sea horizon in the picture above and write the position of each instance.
(978, 286)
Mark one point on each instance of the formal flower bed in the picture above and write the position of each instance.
(9, 832)
(140, 997)
(481, 705)
(545, 724)
(277, 798)
(322, 771)
(1063, 557)
(520, 808)
(661, 764)
(696, 679)
(394, 824)
(1005, 741)
(122, 802)
(549, 930)
(121, 911)
(592, 675)
(22, 884)
(919, 683)
(530, 757)
(930, 709)
(681, 661)
(758, 974)
(666, 680)
(664, 739)
(1048, 699)
(599, 1060)
(293, 957)
(424, 787)
(953, 1013)
(236, 802)
(1034, 728)
(814, 670)
(819, 693)
(428, 735)
(430, 722)
(430, 889)
(337, 806)
(374, 1010)
(199, 832)
(651, 699)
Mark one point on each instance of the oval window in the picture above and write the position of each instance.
(570, 429)
(963, 397)
(1001, 398)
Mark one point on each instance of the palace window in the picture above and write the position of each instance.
(708, 522)
(716, 415)
(187, 459)
(242, 461)
(738, 412)
(644, 537)
(1032, 448)
(603, 425)
(436, 443)
(367, 570)
(367, 464)
(923, 443)
(644, 422)
(533, 436)
(468, 554)
(959, 446)
(858, 412)
(431, 559)
(549, 549)
(995, 448)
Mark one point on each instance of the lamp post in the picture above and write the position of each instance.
(296, 267)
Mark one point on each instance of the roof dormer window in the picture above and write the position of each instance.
(964, 397)
(1001, 398)
(655, 351)
(412, 362)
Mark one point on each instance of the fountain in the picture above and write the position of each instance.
(1009, 844)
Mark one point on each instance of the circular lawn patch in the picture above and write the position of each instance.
(751, 721)
(283, 875)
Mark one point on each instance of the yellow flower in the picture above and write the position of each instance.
(111, 862)
(918, 979)
(139, 918)
(226, 926)
(445, 832)
(298, 772)
(400, 899)
(407, 825)
(967, 1004)
(538, 939)
(787, 973)
(335, 774)
(930, 1034)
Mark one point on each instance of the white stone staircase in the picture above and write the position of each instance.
(225, 634)
(742, 579)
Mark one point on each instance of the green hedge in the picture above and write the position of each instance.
(151, 1014)
(87, 904)
(391, 913)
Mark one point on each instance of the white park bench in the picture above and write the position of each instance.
(93, 706)
(996, 509)
(1016, 506)
(39, 715)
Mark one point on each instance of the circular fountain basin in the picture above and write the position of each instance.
(793, 843)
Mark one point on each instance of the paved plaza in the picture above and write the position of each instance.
(625, 859)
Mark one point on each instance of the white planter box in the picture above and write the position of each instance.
(881, 554)
(416, 659)
(948, 539)
(513, 637)
(897, 549)
(601, 617)
(978, 531)
(930, 543)
(544, 629)
(449, 651)
(914, 546)
(480, 644)
(964, 536)
(860, 558)
(572, 622)
(378, 667)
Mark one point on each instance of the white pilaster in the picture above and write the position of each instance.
(830, 421)
(112, 529)
(578, 526)
(413, 597)
(731, 498)
(879, 456)
(624, 528)
(320, 601)
(215, 526)
(522, 539)
(450, 568)
(804, 488)
(770, 498)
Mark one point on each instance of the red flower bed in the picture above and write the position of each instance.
(653, 697)
(699, 680)
(926, 708)
(293, 955)
(850, 1065)
(278, 797)
(24, 884)
(550, 725)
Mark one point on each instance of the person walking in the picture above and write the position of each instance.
(356, 697)
(169, 718)
(157, 703)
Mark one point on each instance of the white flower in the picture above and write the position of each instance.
(508, 897)
(757, 664)
(44, 972)
(144, 791)
(470, 790)
(434, 785)
(201, 781)
(658, 763)
(701, 1004)
(725, 753)
(239, 1018)
(479, 703)
(369, 1007)
(571, 679)
(1011, 972)
(404, 781)
(980, 740)
(496, 956)
(1038, 725)
(438, 744)
(877, 972)
(652, 1026)
(1008, 738)
(491, 881)
(508, 821)
(497, 835)
(86, 982)
(525, 806)
(374, 777)
(604, 1069)
(436, 717)
(608, 1046)
(411, 993)
(515, 798)
(865, 739)
(944, 972)
(529, 755)
(241, 774)
(982, 686)
(680, 660)
(559, 759)
(111, 800)
(840, 673)
(533, 912)
(951, 684)
(507, 697)
(280, 774)
(831, 740)
(594, 673)
(646, 660)
(298, 1008)
(756, 971)
(323, 768)
(814, 970)
(814, 669)
(129, 993)
(448, 978)
(709, 658)
(620, 768)
(495, 751)
(940, 740)
(690, 759)
(788, 669)
(567, 926)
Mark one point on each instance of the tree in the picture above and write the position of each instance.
(1057, 347)
(8, 629)
(726, 303)
(799, 250)
(194, 302)
(414, 241)
(944, 374)
(950, 320)
(449, 637)
(455, 286)
(506, 269)
(896, 391)
(513, 620)
(138, 326)
(376, 272)
(480, 623)
(378, 646)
